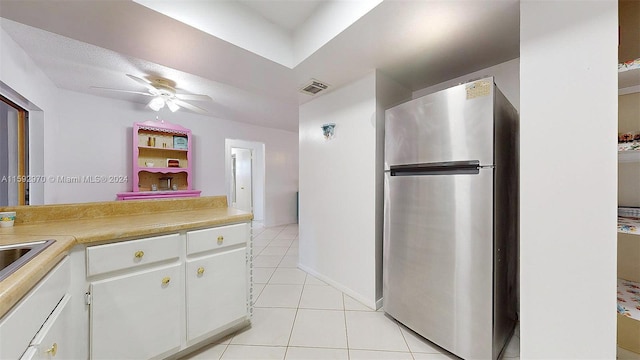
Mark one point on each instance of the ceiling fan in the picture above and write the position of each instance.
(164, 93)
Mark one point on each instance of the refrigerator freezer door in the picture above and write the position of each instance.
(449, 125)
(438, 256)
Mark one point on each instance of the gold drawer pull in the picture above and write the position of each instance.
(220, 239)
(139, 254)
(200, 271)
(53, 349)
(166, 280)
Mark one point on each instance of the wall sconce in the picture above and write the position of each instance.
(328, 130)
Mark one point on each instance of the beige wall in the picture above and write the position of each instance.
(629, 112)
(629, 21)
(629, 172)
(628, 256)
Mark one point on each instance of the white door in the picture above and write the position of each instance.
(216, 291)
(136, 316)
(241, 179)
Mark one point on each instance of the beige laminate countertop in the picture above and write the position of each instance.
(94, 225)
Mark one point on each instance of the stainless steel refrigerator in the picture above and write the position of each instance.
(451, 218)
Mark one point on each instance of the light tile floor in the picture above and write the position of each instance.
(297, 316)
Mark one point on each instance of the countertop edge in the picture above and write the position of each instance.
(18, 284)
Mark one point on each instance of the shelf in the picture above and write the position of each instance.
(629, 156)
(162, 194)
(629, 225)
(628, 81)
(629, 299)
(159, 148)
(163, 170)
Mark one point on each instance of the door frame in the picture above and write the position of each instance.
(257, 174)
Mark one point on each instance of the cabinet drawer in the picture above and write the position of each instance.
(216, 238)
(128, 254)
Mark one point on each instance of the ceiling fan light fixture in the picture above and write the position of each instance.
(156, 103)
(172, 105)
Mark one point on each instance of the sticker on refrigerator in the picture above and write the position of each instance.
(478, 89)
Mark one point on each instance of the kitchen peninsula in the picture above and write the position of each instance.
(145, 279)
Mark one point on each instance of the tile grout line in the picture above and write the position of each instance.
(406, 342)
(346, 331)
(295, 318)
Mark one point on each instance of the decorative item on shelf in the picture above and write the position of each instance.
(628, 136)
(7, 218)
(180, 142)
(173, 163)
(154, 187)
(328, 130)
(166, 182)
(174, 187)
(629, 141)
(148, 163)
(629, 65)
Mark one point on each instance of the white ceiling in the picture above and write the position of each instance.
(288, 14)
(80, 44)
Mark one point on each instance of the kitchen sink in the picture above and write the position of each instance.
(13, 256)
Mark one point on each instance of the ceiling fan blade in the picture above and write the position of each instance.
(188, 106)
(120, 90)
(144, 83)
(195, 97)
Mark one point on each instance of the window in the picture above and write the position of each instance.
(14, 147)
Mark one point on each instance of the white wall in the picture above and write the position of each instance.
(337, 189)
(26, 85)
(568, 102)
(96, 140)
(340, 188)
(73, 134)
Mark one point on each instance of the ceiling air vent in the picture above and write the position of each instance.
(314, 87)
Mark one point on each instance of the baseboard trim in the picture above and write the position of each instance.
(373, 305)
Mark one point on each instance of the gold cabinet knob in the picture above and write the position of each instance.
(53, 349)
(220, 239)
(139, 254)
(166, 280)
(200, 270)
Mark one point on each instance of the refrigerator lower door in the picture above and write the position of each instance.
(438, 259)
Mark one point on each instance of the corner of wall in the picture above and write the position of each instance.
(388, 94)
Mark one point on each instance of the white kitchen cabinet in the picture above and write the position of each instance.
(54, 340)
(19, 326)
(136, 316)
(135, 313)
(217, 280)
(216, 291)
(136, 288)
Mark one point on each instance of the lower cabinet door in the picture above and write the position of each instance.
(54, 341)
(216, 291)
(136, 316)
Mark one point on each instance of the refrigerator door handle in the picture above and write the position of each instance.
(467, 167)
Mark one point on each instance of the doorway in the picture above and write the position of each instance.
(245, 176)
(241, 187)
(14, 146)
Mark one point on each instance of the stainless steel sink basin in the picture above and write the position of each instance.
(12, 257)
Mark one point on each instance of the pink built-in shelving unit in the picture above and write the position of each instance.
(162, 164)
